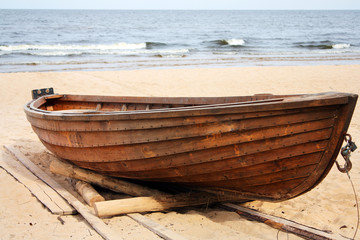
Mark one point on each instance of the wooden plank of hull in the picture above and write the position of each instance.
(210, 167)
(271, 192)
(196, 152)
(106, 138)
(265, 179)
(118, 125)
(218, 174)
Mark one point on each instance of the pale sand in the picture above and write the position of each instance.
(329, 206)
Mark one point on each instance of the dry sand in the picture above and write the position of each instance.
(330, 206)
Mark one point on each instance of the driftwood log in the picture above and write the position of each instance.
(69, 170)
(153, 204)
(88, 193)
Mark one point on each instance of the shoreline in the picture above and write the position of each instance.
(165, 63)
(330, 206)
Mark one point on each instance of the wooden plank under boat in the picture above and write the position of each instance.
(264, 146)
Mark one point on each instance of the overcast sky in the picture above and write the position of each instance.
(181, 4)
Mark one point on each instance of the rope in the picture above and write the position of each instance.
(357, 205)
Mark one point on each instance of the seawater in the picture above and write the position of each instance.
(67, 40)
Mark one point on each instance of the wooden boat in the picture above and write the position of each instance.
(257, 147)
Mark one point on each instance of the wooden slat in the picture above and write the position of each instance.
(276, 191)
(265, 179)
(155, 227)
(95, 222)
(245, 172)
(45, 194)
(270, 192)
(283, 224)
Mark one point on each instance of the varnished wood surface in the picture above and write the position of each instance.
(265, 146)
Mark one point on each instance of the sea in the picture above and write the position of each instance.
(98, 40)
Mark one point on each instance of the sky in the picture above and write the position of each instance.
(183, 4)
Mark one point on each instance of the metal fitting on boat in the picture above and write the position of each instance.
(346, 152)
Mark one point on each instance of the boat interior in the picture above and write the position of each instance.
(83, 103)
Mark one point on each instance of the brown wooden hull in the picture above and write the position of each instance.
(260, 147)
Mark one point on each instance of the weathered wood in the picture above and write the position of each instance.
(294, 123)
(153, 204)
(95, 222)
(124, 108)
(156, 228)
(283, 224)
(237, 171)
(89, 194)
(45, 194)
(126, 124)
(116, 185)
(200, 146)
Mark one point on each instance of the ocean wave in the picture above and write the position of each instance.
(54, 54)
(115, 46)
(236, 42)
(341, 45)
(170, 55)
(322, 45)
(128, 52)
(229, 42)
(151, 45)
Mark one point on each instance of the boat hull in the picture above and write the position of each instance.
(273, 149)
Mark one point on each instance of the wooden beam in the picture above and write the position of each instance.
(153, 204)
(95, 222)
(45, 194)
(155, 227)
(89, 194)
(283, 224)
(69, 170)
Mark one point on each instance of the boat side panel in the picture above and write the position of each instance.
(163, 173)
(106, 138)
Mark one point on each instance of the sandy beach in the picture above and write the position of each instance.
(330, 206)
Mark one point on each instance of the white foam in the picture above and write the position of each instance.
(341, 45)
(236, 42)
(56, 53)
(145, 51)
